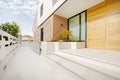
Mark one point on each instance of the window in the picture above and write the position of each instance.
(77, 25)
(0, 37)
(41, 10)
(83, 26)
(74, 27)
(54, 2)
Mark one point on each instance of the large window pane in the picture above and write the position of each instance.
(77, 25)
(74, 27)
(83, 26)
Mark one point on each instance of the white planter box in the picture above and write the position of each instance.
(50, 47)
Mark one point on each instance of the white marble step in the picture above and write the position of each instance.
(86, 68)
(106, 56)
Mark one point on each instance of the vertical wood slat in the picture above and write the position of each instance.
(113, 25)
(96, 26)
(103, 25)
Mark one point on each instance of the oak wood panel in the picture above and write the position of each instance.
(96, 26)
(103, 26)
(113, 25)
(95, 43)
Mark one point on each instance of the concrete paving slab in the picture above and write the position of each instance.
(27, 65)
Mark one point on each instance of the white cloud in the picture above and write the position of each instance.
(16, 12)
(17, 6)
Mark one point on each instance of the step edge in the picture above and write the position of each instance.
(91, 58)
(105, 73)
(67, 68)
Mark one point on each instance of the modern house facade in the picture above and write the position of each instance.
(95, 22)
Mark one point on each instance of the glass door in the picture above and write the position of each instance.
(74, 27)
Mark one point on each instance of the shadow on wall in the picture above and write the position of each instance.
(34, 46)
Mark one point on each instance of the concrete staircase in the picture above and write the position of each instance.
(89, 64)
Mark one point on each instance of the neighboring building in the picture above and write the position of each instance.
(26, 38)
(95, 22)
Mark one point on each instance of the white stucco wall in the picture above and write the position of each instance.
(48, 9)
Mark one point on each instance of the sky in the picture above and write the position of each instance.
(20, 11)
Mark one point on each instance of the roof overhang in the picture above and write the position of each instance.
(73, 7)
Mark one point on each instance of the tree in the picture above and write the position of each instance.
(11, 28)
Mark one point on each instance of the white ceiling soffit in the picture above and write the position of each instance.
(73, 7)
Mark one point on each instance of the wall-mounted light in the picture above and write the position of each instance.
(61, 24)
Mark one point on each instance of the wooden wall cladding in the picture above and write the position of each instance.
(103, 25)
(96, 26)
(113, 25)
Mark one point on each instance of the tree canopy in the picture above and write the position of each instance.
(11, 28)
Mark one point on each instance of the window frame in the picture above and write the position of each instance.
(80, 25)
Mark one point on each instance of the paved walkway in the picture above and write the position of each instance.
(27, 65)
